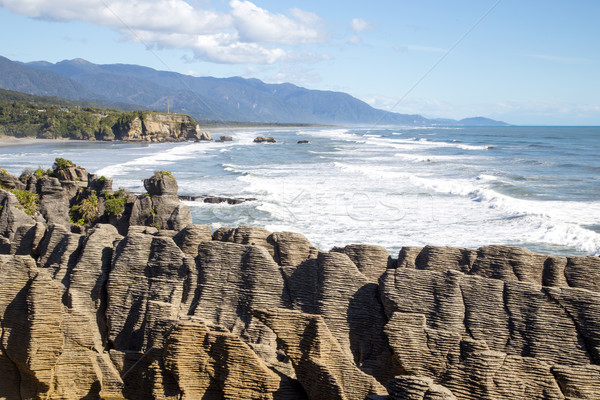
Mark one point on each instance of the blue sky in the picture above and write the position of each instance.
(525, 62)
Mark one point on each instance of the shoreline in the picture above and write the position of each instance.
(8, 140)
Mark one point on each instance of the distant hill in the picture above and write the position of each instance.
(481, 121)
(204, 98)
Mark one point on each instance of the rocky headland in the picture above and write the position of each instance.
(158, 127)
(105, 294)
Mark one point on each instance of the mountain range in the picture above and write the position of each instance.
(204, 98)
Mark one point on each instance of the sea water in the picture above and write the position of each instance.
(537, 187)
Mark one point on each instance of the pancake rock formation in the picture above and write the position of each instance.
(109, 295)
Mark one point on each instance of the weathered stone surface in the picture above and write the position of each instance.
(445, 258)
(251, 235)
(16, 273)
(409, 387)
(161, 184)
(583, 272)
(233, 280)
(74, 174)
(162, 209)
(212, 364)
(9, 181)
(578, 381)
(408, 256)
(54, 201)
(14, 222)
(322, 366)
(506, 263)
(58, 252)
(32, 336)
(291, 249)
(371, 260)
(160, 127)
(190, 237)
(27, 239)
(146, 287)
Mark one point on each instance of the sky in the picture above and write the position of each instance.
(527, 62)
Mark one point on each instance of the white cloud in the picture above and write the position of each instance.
(355, 40)
(255, 24)
(359, 25)
(244, 34)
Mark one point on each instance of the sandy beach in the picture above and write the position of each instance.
(6, 141)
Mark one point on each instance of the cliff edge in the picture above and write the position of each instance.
(106, 294)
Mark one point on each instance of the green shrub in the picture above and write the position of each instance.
(154, 223)
(114, 204)
(161, 173)
(40, 173)
(87, 210)
(3, 172)
(27, 199)
(61, 163)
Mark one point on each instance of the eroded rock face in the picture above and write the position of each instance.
(158, 127)
(161, 208)
(243, 313)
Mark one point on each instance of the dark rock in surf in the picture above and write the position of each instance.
(263, 139)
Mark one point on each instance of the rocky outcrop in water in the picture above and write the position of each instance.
(264, 139)
(118, 308)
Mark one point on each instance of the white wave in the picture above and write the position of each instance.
(157, 158)
(338, 134)
(422, 144)
(427, 158)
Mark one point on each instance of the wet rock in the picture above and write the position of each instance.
(263, 139)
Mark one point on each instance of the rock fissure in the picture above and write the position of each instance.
(583, 340)
(511, 326)
(15, 366)
(465, 313)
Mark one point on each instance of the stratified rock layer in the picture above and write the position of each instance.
(147, 305)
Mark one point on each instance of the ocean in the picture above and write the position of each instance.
(537, 187)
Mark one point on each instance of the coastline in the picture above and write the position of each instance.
(7, 141)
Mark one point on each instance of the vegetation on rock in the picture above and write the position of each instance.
(161, 174)
(114, 204)
(42, 117)
(62, 163)
(27, 199)
(87, 210)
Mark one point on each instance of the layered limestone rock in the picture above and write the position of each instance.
(321, 365)
(147, 305)
(161, 208)
(157, 127)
